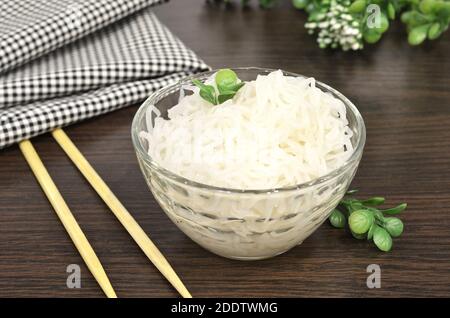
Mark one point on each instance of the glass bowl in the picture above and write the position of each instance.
(229, 222)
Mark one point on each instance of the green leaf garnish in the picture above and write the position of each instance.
(207, 92)
(373, 201)
(237, 86)
(365, 221)
(227, 84)
(399, 208)
(226, 95)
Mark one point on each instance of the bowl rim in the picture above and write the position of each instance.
(360, 127)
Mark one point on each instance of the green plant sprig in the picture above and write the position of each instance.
(344, 23)
(227, 84)
(426, 19)
(366, 221)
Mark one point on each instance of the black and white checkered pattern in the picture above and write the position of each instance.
(31, 28)
(112, 68)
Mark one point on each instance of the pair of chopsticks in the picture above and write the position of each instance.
(71, 225)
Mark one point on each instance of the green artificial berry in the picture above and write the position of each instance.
(418, 34)
(357, 7)
(406, 17)
(394, 226)
(382, 239)
(225, 80)
(372, 35)
(384, 23)
(310, 7)
(337, 219)
(368, 222)
(434, 31)
(300, 4)
(391, 11)
(427, 6)
(360, 221)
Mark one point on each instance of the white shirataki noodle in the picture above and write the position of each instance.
(277, 131)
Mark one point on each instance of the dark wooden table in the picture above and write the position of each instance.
(403, 93)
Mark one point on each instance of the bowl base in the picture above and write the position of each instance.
(251, 258)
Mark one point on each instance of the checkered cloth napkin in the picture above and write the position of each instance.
(62, 61)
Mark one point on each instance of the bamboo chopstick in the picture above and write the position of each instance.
(120, 211)
(66, 217)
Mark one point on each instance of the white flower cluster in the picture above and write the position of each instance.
(337, 27)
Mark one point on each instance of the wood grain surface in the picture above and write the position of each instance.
(403, 94)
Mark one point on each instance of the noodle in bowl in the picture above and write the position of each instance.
(252, 177)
